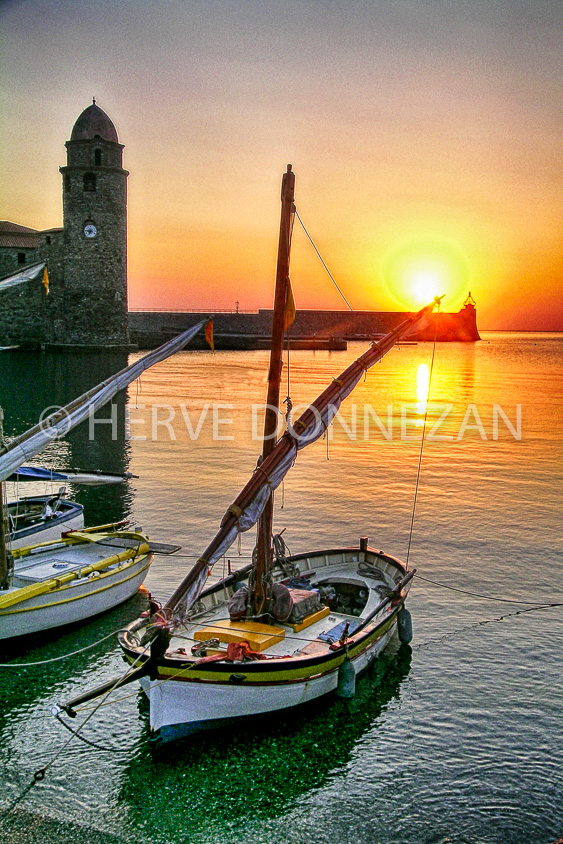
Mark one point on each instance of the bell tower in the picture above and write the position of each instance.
(94, 261)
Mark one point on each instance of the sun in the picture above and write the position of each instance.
(424, 284)
(416, 269)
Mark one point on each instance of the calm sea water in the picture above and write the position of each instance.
(457, 739)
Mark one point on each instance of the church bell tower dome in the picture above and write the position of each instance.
(94, 123)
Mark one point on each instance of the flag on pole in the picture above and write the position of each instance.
(289, 307)
(209, 334)
(45, 280)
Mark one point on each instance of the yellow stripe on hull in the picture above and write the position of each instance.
(265, 676)
(84, 595)
(25, 593)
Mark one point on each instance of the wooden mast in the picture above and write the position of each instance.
(264, 529)
(3, 553)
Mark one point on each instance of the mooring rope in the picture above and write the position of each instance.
(461, 630)
(77, 735)
(39, 774)
(63, 656)
(536, 604)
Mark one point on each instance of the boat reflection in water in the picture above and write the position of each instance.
(258, 770)
(32, 383)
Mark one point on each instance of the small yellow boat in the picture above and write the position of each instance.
(71, 579)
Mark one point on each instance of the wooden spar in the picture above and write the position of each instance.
(264, 528)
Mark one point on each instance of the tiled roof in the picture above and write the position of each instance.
(14, 235)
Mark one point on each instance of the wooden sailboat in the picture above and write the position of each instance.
(82, 573)
(65, 581)
(285, 630)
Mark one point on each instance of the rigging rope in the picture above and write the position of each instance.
(39, 774)
(422, 438)
(287, 401)
(321, 260)
(63, 656)
(536, 604)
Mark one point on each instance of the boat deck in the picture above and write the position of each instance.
(60, 558)
(314, 634)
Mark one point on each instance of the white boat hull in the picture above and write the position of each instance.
(31, 525)
(189, 693)
(46, 532)
(84, 601)
(177, 711)
(90, 586)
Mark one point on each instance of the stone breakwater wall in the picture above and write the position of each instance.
(149, 329)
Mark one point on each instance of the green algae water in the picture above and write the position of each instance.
(453, 739)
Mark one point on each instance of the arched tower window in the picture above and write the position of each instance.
(97, 157)
(67, 182)
(89, 182)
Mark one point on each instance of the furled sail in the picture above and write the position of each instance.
(27, 274)
(75, 476)
(246, 509)
(26, 446)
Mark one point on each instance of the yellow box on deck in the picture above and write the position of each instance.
(258, 636)
(310, 619)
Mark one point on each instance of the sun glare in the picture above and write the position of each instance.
(424, 285)
(417, 269)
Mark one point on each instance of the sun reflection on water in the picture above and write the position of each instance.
(422, 388)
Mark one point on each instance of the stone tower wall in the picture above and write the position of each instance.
(22, 312)
(87, 301)
(10, 261)
(94, 280)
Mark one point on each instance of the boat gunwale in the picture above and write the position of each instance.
(74, 584)
(76, 578)
(245, 570)
(73, 510)
(183, 663)
(82, 536)
(276, 665)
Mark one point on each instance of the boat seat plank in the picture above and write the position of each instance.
(259, 636)
(163, 548)
(119, 542)
(310, 619)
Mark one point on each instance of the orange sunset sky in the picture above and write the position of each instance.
(425, 136)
